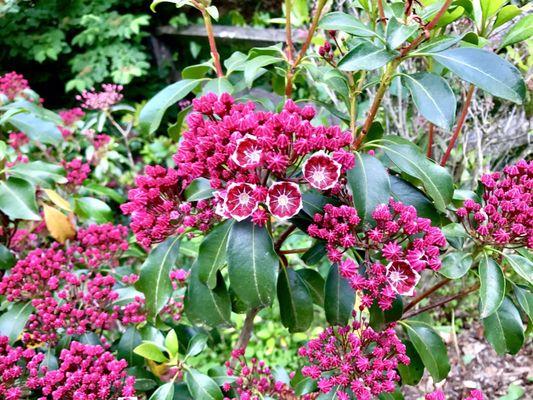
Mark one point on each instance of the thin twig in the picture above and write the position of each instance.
(284, 236)
(288, 30)
(430, 140)
(247, 329)
(427, 293)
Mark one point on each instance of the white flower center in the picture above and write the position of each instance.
(396, 276)
(244, 198)
(283, 200)
(319, 174)
(253, 156)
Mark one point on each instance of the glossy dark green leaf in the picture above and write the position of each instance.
(397, 33)
(212, 253)
(433, 97)
(92, 209)
(430, 348)
(7, 259)
(39, 173)
(339, 298)
(254, 65)
(37, 128)
(521, 265)
(130, 339)
(456, 264)
(164, 392)
(339, 21)
(196, 71)
(315, 283)
(197, 344)
(154, 280)
(13, 320)
(504, 329)
(525, 299)
(412, 373)
(369, 183)
(439, 43)
(485, 70)
(203, 305)
(17, 199)
(199, 189)
(492, 286)
(455, 234)
(201, 386)
(380, 318)
(365, 56)
(295, 301)
(252, 264)
(220, 376)
(436, 180)
(153, 111)
(105, 191)
(315, 253)
(408, 194)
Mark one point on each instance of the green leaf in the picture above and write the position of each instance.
(212, 253)
(129, 340)
(315, 284)
(218, 86)
(197, 344)
(492, 286)
(456, 264)
(201, 386)
(408, 194)
(506, 14)
(522, 30)
(370, 185)
(315, 253)
(339, 21)
(154, 280)
(485, 70)
(412, 373)
(105, 191)
(153, 111)
(295, 301)
(489, 8)
(196, 71)
(252, 264)
(199, 189)
(433, 98)
(380, 318)
(525, 299)
(521, 265)
(365, 57)
(93, 209)
(455, 234)
(339, 298)
(37, 128)
(17, 199)
(252, 67)
(12, 321)
(150, 351)
(171, 342)
(397, 33)
(203, 305)
(430, 348)
(164, 392)
(436, 180)
(39, 173)
(7, 259)
(504, 329)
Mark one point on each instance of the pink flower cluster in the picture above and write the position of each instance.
(253, 380)
(103, 100)
(158, 210)
(439, 395)
(400, 246)
(505, 218)
(18, 365)
(174, 307)
(251, 157)
(99, 245)
(12, 85)
(84, 372)
(70, 117)
(359, 361)
(17, 140)
(77, 171)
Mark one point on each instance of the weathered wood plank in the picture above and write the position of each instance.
(221, 32)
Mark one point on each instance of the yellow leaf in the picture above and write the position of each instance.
(58, 224)
(57, 199)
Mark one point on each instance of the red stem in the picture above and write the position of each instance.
(430, 139)
(212, 43)
(459, 127)
(427, 293)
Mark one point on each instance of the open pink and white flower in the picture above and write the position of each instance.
(402, 277)
(240, 201)
(284, 199)
(248, 152)
(321, 171)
